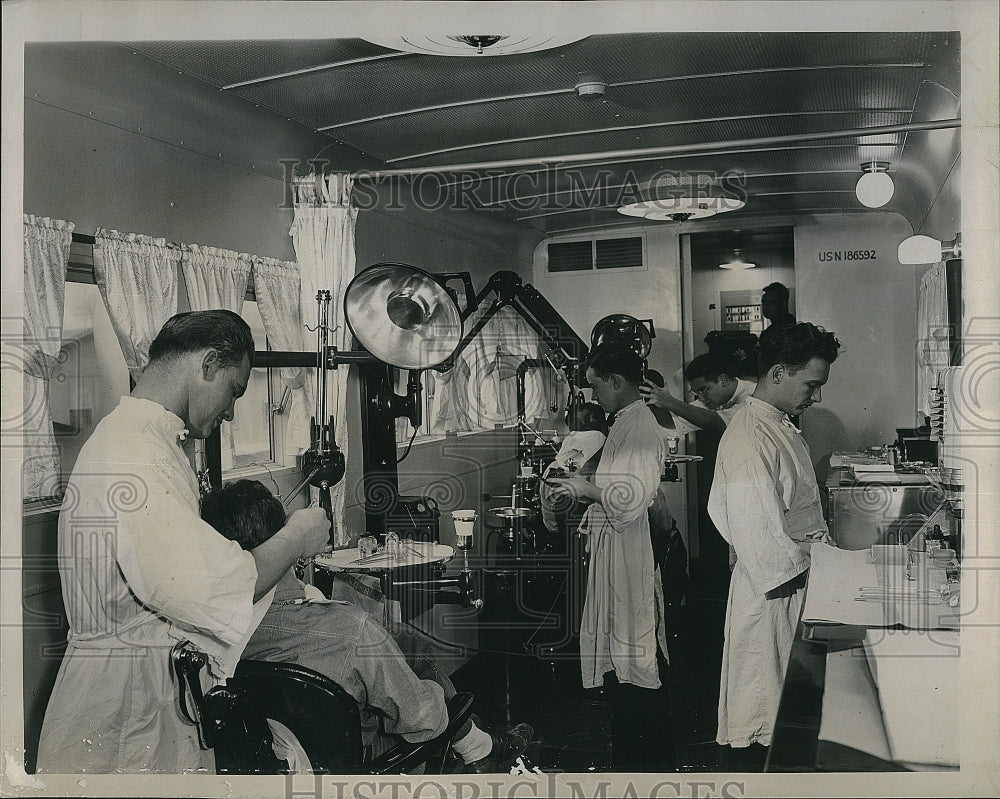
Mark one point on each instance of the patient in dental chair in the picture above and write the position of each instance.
(399, 694)
(579, 453)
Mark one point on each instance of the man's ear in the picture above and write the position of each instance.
(617, 381)
(777, 373)
(209, 364)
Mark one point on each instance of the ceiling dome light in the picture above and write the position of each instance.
(874, 187)
(681, 209)
(509, 42)
(737, 262)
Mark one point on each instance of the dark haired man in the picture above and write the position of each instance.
(719, 391)
(398, 695)
(618, 636)
(774, 306)
(141, 571)
(766, 504)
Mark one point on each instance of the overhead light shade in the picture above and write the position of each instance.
(403, 316)
(875, 187)
(736, 262)
(495, 43)
(681, 209)
(925, 250)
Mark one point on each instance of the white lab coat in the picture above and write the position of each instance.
(140, 571)
(618, 630)
(765, 503)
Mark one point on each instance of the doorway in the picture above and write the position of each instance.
(726, 272)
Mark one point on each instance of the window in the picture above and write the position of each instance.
(250, 438)
(586, 255)
(91, 376)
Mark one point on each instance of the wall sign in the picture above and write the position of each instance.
(848, 255)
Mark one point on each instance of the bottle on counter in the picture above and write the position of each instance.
(934, 539)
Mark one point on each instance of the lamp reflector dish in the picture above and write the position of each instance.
(403, 316)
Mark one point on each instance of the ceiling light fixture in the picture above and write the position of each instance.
(925, 250)
(681, 209)
(475, 45)
(736, 261)
(874, 187)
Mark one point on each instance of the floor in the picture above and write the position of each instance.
(572, 725)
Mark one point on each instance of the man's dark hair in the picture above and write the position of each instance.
(709, 366)
(587, 416)
(191, 331)
(796, 345)
(618, 359)
(244, 512)
(654, 377)
(778, 289)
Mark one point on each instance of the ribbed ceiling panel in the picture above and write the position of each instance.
(663, 90)
(698, 133)
(222, 63)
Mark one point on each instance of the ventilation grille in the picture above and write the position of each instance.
(590, 254)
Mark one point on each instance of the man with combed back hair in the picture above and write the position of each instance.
(140, 570)
(766, 504)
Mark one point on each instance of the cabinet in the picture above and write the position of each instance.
(862, 514)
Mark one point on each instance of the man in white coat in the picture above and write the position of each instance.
(618, 637)
(765, 503)
(141, 571)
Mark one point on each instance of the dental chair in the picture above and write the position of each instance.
(324, 719)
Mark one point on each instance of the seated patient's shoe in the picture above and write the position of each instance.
(507, 746)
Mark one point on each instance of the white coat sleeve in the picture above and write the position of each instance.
(748, 511)
(633, 478)
(180, 566)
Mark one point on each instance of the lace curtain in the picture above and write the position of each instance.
(46, 255)
(933, 333)
(137, 276)
(323, 236)
(276, 284)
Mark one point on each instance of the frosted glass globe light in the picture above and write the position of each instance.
(874, 188)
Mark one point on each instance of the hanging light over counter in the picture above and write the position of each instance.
(736, 261)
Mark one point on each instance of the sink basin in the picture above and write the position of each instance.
(508, 513)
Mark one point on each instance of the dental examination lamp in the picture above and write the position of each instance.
(627, 330)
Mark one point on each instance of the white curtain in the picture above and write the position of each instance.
(276, 284)
(137, 276)
(323, 236)
(933, 335)
(46, 255)
(215, 279)
(498, 350)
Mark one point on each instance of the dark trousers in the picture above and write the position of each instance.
(641, 736)
(748, 758)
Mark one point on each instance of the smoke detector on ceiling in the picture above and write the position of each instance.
(590, 87)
